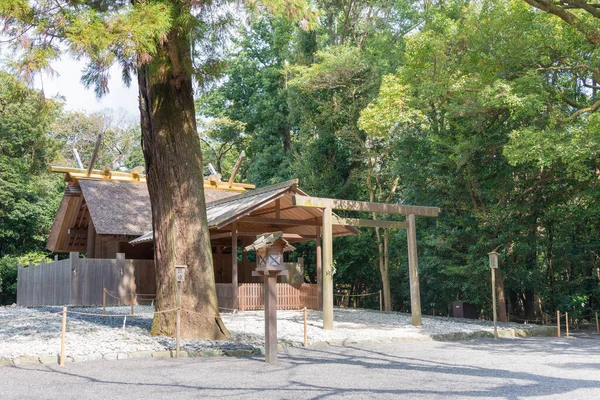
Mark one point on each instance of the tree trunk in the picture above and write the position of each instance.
(500, 296)
(175, 183)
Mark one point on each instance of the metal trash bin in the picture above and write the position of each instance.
(460, 309)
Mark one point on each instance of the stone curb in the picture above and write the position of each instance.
(54, 360)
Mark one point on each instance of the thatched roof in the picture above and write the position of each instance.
(117, 208)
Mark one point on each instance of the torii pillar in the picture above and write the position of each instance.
(327, 205)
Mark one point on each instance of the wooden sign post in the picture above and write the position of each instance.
(493, 266)
(269, 259)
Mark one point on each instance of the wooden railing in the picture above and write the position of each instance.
(289, 297)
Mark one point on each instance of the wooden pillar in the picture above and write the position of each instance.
(91, 239)
(234, 267)
(413, 269)
(271, 319)
(319, 271)
(327, 270)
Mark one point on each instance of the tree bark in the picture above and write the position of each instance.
(175, 183)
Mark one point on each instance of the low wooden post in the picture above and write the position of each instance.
(597, 326)
(180, 277)
(62, 339)
(177, 330)
(305, 327)
(566, 324)
(132, 304)
(380, 303)
(104, 302)
(558, 323)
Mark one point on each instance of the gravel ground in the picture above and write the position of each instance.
(527, 368)
(90, 337)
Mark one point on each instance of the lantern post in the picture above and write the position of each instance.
(269, 259)
(493, 266)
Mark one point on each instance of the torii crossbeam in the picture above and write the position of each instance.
(334, 204)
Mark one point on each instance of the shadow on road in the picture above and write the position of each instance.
(350, 369)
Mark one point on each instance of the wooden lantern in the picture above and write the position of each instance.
(269, 259)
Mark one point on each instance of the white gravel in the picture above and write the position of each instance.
(90, 337)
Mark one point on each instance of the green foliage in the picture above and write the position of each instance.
(9, 270)
(121, 143)
(28, 194)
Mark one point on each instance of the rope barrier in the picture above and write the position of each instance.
(118, 296)
(98, 315)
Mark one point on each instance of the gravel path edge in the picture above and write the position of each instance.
(54, 360)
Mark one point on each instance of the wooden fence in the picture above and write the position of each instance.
(289, 297)
(80, 281)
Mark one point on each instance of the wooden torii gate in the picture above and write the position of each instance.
(328, 220)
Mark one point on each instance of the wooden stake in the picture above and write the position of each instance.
(558, 323)
(104, 302)
(132, 304)
(62, 339)
(597, 326)
(177, 332)
(495, 313)
(567, 324)
(380, 304)
(305, 328)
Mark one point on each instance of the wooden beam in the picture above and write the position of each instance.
(260, 232)
(236, 168)
(327, 270)
(275, 221)
(350, 205)
(413, 271)
(369, 223)
(77, 231)
(136, 177)
(94, 155)
(220, 235)
(272, 210)
(91, 239)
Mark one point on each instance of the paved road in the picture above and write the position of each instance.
(544, 368)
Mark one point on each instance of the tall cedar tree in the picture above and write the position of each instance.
(155, 40)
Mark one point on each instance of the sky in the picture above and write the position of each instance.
(67, 83)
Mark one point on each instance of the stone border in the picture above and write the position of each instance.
(54, 360)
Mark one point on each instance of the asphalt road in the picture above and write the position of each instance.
(544, 368)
